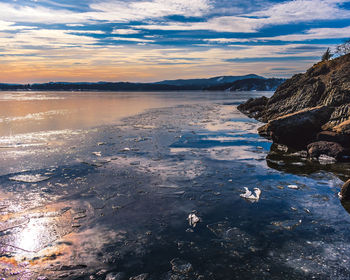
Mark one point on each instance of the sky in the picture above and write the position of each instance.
(153, 40)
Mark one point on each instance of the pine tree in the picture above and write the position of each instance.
(327, 55)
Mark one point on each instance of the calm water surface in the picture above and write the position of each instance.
(95, 185)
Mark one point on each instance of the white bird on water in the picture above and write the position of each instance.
(251, 196)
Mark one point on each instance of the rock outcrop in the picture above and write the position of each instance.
(344, 196)
(310, 111)
(345, 191)
(298, 128)
(331, 149)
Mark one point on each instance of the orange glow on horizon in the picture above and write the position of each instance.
(132, 65)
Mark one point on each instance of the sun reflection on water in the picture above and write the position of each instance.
(29, 233)
(33, 236)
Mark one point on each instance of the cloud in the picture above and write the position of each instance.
(301, 11)
(153, 11)
(108, 11)
(123, 11)
(311, 34)
(314, 34)
(74, 24)
(279, 14)
(141, 40)
(234, 24)
(4, 25)
(230, 40)
(271, 59)
(57, 4)
(99, 32)
(45, 38)
(125, 31)
(38, 14)
(11, 26)
(44, 61)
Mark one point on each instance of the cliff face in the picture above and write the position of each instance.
(309, 108)
(326, 83)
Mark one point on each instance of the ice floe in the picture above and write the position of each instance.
(29, 178)
(254, 196)
(193, 220)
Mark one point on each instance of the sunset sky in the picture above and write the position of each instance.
(152, 40)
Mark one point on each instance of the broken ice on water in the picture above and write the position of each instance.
(29, 178)
(250, 195)
(293, 187)
(114, 175)
(193, 220)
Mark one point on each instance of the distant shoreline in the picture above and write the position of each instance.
(227, 83)
(170, 90)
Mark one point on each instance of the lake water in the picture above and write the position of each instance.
(101, 184)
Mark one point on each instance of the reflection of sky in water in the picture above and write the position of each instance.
(32, 112)
(58, 111)
(34, 117)
(35, 138)
(231, 120)
(236, 153)
(27, 96)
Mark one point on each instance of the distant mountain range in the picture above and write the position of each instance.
(209, 82)
(257, 84)
(228, 83)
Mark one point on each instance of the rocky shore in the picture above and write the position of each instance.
(310, 111)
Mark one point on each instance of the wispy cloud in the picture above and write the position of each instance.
(284, 13)
(123, 11)
(108, 11)
(38, 14)
(45, 38)
(100, 32)
(231, 40)
(311, 34)
(11, 26)
(301, 11)
(140, 40)
(315, 33)
(123, 31)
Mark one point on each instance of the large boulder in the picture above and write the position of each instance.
(297, 129)
(345, 191)
(331, 149)
(331, 136)
(253, 107)
(344, 196)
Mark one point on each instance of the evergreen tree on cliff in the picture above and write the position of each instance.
(327, 55)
